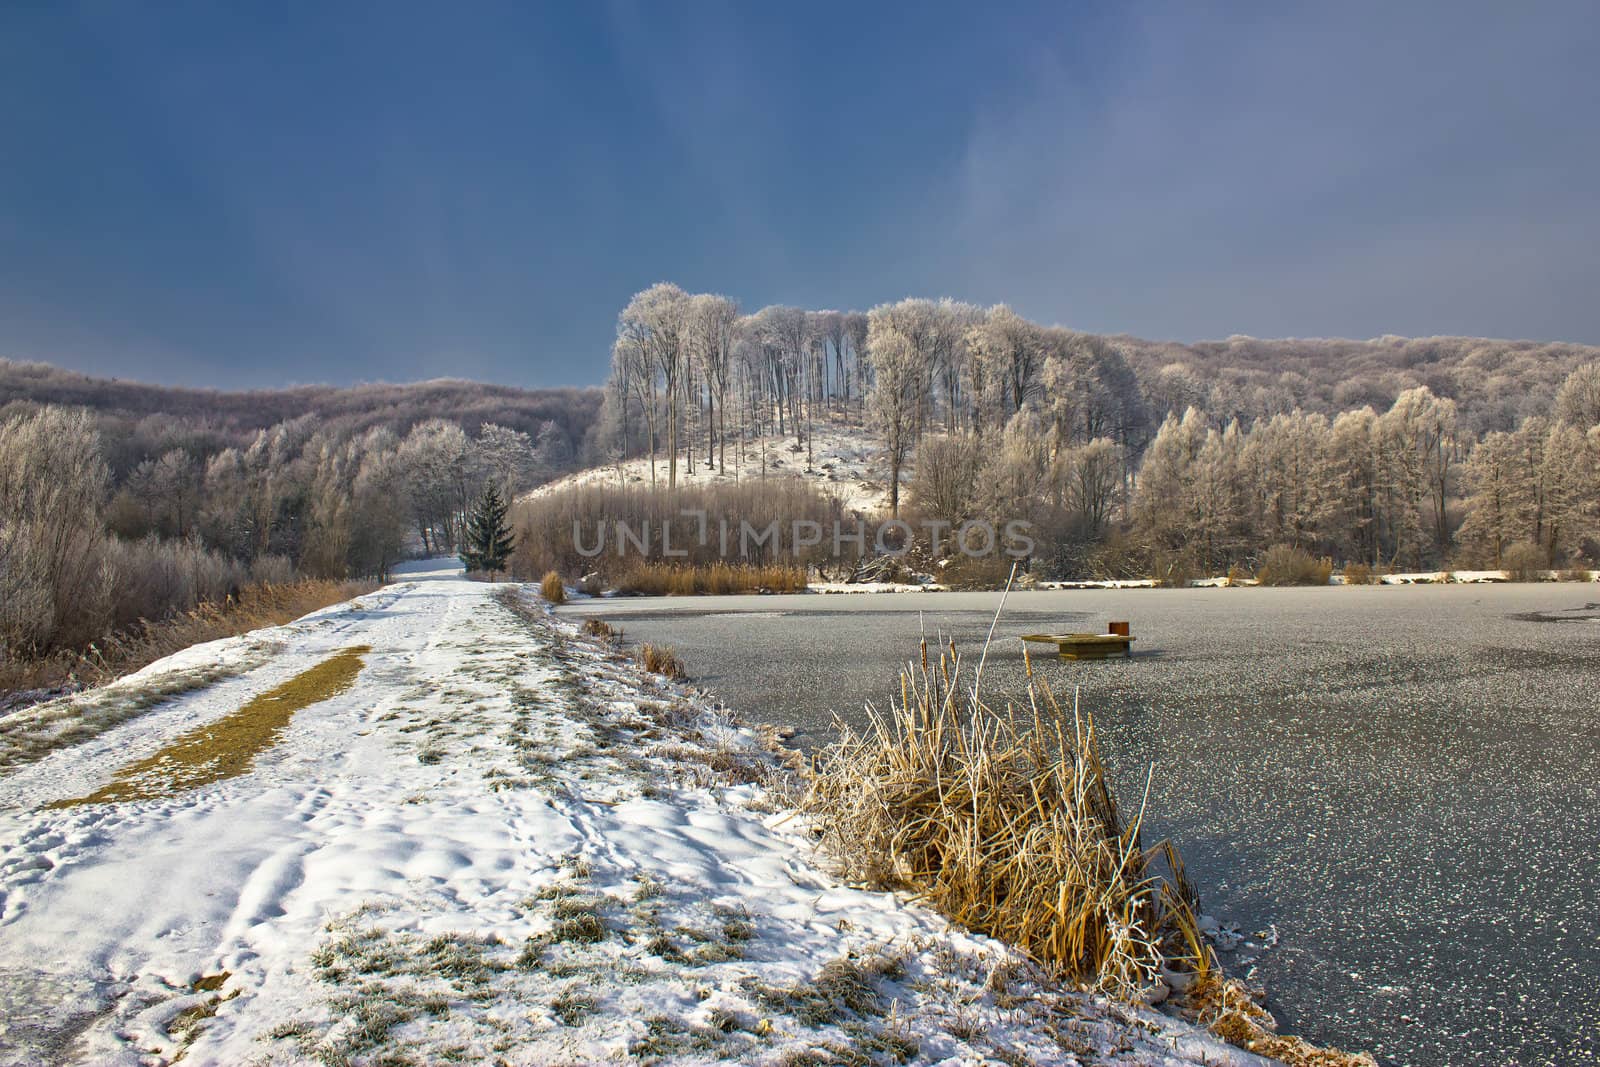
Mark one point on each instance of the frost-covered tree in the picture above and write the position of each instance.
(1091, 480)
(855, 332)
(53, 479)
(1016, 478)
(945, 485)
(900, 340)
(438, 461)
(325, 550)
(1578, 401)
(1006, 353)
(1417, 441)
(1174, 389)
(951, 357)
(1567, 477)
(381, 504)
(1347, 511)
(1283, 459)
(1164, 508)
(505, 458)
(1219, 497)
(652, 328)
(1495, 499)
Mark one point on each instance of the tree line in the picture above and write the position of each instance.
(1133, 456)
(86, 550)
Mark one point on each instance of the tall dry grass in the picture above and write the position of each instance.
(1004, 821)
(545, 525)
(1358, 573)
(662, 660)
(1292, 565)
(712, 579)
(132, 647)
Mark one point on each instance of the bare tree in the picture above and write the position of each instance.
(712, 319)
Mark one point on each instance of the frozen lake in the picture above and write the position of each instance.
(1400, 780)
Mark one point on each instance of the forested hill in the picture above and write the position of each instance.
(235, 417)
(1494, 383)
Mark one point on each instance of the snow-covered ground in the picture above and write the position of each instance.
(502, 843)
(847, 462)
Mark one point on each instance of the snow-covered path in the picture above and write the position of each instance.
(502, 843)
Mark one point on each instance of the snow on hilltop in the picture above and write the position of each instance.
(847, 462)
(500, 844)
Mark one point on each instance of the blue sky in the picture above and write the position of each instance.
(245, 194)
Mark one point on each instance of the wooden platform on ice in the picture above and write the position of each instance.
(1086, 646)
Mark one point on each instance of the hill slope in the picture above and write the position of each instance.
(353, 409)
(1495, 382)
(846, 461)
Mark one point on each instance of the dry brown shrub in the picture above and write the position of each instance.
(551, 588)
(1524, 563)
(982, 572)
(1175, 570)
(1359, 574)
(1576, 574)
(660, 659)
(1292, 565)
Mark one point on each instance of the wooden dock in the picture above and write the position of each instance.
(1089, 646)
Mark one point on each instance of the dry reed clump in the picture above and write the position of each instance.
(228, 747)
(1576, 574)
(602, 629)
(1359, 574)
(1176, 570)
(141, 644)
(1229, 1009)
(551, 588)
(1292, 565)
(662, 660)
(1008, 827)
(623, 524)
(712, 579)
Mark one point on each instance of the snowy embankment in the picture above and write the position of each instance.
(501, 843)
(846, 462)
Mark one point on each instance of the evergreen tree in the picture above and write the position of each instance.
(488, 540)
